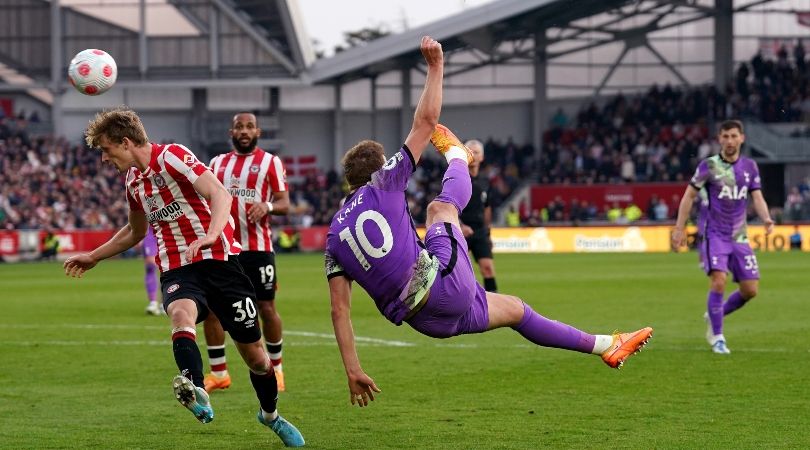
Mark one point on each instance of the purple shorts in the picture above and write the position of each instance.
(725, 256)
(149, 246)
(457, 304)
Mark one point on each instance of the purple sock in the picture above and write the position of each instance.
(550, 333)
(151, 282)
(735, 301)
(456, 185)
(715, 307)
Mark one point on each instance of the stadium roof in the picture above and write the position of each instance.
(594, 35)
(183, 42)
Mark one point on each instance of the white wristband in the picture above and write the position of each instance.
(269, 206)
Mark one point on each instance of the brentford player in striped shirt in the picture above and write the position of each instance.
(256, 181)
(168, 187)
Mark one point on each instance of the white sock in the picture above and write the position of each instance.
(270, 416)
(455, 152)
(718, 337)
(602, 343)
(220, 373)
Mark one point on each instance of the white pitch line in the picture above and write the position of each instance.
(362, 341)
(88, 326)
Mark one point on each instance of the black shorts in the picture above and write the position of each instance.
(480, 243)
(260, 267)
(218, 286)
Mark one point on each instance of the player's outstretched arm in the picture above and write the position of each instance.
(685, 207)
(761, 207)
(361, 386)
(429, 107)
(127, 237)
(219, 199)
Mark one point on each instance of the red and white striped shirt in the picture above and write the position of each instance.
(250, 178)
(179, 215)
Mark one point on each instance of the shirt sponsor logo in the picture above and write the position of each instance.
(733, 193)
(168, 213)
(188, 159)
(246, 194)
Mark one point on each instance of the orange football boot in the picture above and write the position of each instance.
(442, 138)
(625, 345)
(213, 382)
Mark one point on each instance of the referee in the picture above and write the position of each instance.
(477, 217)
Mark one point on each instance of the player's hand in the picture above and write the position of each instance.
(76, 266)
(199, 244)
(258, 211)
(678, 238)
(466, 230)
(361, 389)
(769, 226)
(432, 51)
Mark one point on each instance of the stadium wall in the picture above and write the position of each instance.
(26, 244)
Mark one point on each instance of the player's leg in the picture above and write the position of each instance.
(714, 312)
(237, 312)
(262, 376)
(271, 328)
(150, 283)
(744, 267)
(456, 183)
(184, 301)
(487, 267)
(260, 267)
(219, 378)
(509, 311)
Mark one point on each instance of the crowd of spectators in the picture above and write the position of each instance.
(52, 184)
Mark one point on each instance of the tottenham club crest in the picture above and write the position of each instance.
(159, 181)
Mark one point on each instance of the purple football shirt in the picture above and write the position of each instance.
(727, 185)
(372, 240)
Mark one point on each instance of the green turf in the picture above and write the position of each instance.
(83, 367)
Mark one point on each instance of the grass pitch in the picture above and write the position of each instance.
(83, 367)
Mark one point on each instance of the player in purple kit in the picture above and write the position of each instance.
(728, 179)
(149, 250)
(430, 285)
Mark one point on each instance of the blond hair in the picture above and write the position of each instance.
(116, 124)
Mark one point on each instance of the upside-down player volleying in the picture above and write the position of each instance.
(430, 285)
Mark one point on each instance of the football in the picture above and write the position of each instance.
(92, 71)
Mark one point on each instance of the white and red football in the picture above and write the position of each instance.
(92, 71)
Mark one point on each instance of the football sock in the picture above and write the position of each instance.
(274, 350)
(456, 153)
(456, 185)
(714, 306)
(187, 354)
(216, 358)
(490, 285)
(266, 390)
(151, 282)
(550, 333)
(735, 301)
(601, 343)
